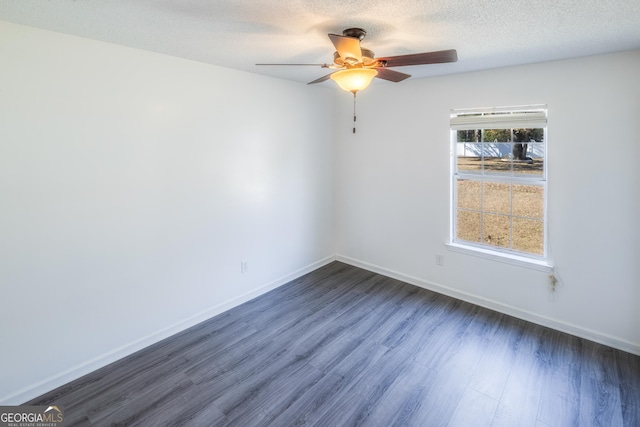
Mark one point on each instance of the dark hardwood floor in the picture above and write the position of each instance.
(343, 346)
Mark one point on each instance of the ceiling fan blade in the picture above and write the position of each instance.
(391, 75)
(321, 79)
(347, 47)
(299, 65)
(437, 57)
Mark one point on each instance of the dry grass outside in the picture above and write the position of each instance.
(499, 165)
(487, 212)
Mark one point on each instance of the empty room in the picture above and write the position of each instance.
(319, 213)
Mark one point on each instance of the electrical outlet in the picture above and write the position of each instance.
(439, 259)
(244, 267)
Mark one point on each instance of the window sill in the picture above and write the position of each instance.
(520, 261)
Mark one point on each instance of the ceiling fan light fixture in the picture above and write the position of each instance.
(354, 79)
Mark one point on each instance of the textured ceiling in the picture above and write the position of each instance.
(240, 33)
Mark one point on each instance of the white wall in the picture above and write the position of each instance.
(392, 191)
(132, 185)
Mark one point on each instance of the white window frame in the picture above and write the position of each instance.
(529, 116)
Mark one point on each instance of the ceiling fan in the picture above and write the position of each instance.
(357, 66)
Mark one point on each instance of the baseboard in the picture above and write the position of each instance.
(568, 328)
(34, 390)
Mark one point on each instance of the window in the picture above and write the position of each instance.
(499, 180)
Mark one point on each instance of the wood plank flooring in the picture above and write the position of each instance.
(342, 346)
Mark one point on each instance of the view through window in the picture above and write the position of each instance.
(499, 179)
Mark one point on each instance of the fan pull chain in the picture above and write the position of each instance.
(354, 111)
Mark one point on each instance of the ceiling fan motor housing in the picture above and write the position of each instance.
(368, 59)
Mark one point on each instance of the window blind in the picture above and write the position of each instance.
(495, 119)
